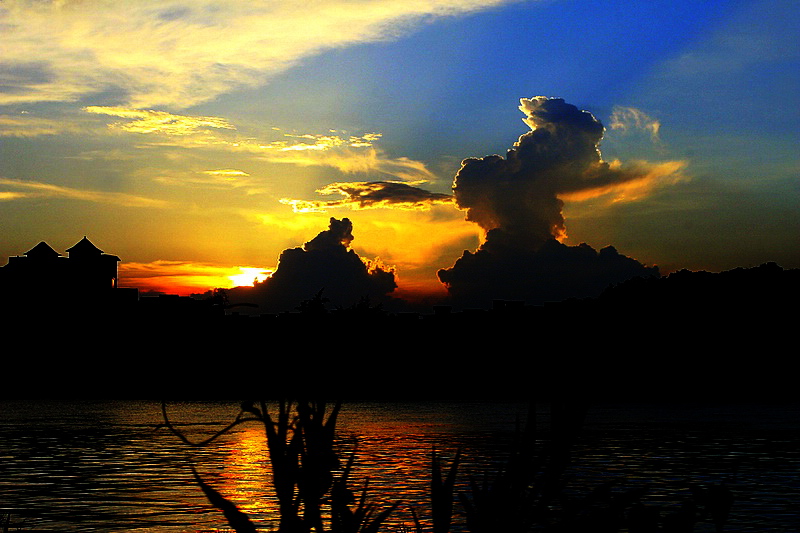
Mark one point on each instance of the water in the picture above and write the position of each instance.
(107, 467)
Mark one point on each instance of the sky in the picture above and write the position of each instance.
(198, 140)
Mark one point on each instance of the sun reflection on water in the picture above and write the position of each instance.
(392, 460)
(246, 477)
(109, 466)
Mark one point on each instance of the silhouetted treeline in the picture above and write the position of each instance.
(686, 335)
(742, 289)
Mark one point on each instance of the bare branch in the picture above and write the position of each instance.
(240, 419)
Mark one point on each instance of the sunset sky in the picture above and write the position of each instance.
(199, 139)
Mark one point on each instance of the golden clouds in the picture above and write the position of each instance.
(149, 121)
(219, 179)
(228, 174)
(351, 160)
(347, 153)
(24, 125)
(179, 54)
(288, 223)
(323, 142)
(38, 189)
(9, 195)
(343, 151)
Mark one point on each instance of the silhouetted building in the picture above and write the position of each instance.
(43, 278)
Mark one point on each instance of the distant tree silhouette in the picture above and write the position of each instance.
(501, 269)
(314, 306)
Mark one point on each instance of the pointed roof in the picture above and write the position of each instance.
(42, 251)
(84, 248)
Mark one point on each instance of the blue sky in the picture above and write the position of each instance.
(185, 136)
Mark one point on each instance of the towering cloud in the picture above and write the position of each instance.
(325, 263)
(518, 201)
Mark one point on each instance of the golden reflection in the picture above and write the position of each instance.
(393, 452)
(396, 466)
(246, 478)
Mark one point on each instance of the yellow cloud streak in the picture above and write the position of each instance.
(28, 126)
(165, 53)
(6, 195)
(58, 191)
(212, 179)
(227, 173)
(151, 121)
(651, 177)
(351, 154)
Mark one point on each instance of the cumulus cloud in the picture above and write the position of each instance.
(179, 53)
(523, 192)
(373, 194)
(518, 200)
(325, 263)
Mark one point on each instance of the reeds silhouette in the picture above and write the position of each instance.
(525, 495)
(300, 439)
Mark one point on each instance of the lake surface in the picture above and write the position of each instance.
(107, 467)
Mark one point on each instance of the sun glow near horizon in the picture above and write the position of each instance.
(200, 140)
(398, 238)
(249, 276)
(186, 278)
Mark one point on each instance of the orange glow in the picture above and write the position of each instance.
(395, 238)
(651, 176)
(185, 278)
(421, 292)
(249, 276)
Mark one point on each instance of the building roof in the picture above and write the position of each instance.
(42, 251)
(84, 247)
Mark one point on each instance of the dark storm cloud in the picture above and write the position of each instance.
(325, 263)
(518, 201)
(522, 193)
(372, 194)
